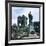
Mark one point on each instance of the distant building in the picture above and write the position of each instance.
(37, 26)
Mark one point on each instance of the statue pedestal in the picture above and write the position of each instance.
(31, 28)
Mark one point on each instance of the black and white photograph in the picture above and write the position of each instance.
(25, 22)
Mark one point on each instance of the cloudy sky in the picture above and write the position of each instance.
(19, 11)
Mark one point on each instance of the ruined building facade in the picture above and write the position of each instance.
(22, 20)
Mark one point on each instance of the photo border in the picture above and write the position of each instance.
(6, 32)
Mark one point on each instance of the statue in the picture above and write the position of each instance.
(31, 27)
(30, 17)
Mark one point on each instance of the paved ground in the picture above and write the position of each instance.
(31, 36)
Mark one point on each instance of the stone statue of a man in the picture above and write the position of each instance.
(30, 17)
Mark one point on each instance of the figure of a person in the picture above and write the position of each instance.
(30, 17)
